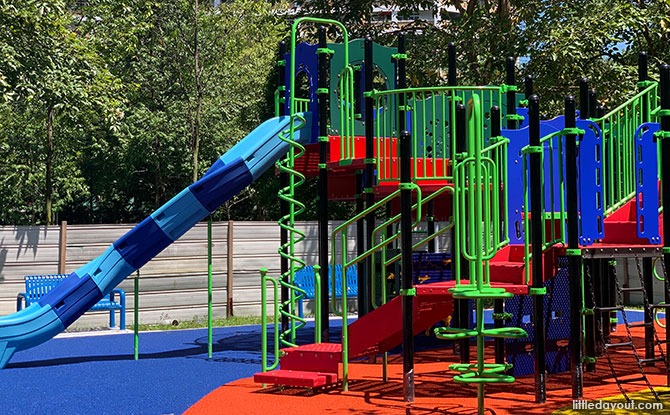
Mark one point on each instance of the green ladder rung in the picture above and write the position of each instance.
(488, 367)
(505, 333)
(486, 292)
(483, 378)
(450, 333)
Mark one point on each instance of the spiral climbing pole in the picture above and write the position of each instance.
(286, 309)
(477, 177)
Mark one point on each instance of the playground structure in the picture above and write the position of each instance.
(438, 155)
(543, 253)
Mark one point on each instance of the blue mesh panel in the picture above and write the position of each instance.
(557, 322)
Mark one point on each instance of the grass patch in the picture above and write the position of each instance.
(200, 322)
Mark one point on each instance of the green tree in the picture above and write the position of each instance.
(196, 76)
(50, 77)
(564, 40)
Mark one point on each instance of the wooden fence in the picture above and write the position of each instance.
(173, 285)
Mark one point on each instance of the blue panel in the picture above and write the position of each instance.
(518, 139)
(107, 270)
(590, 183)
(305, 63)
(142, 243)
(219, 186)
(180, 214)
(71, 296)
(647, 195)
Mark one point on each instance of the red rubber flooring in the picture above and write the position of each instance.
(436, 391)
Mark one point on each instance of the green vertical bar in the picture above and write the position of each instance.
(317, 303)
(136, 314)
(209, 287)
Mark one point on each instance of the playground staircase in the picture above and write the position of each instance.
(508, 266)
(307, 366)
(316, 365)
(621, 227)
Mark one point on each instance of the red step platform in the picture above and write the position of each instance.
(308, 366)
(621, 227)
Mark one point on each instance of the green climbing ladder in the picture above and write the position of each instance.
(476, 199)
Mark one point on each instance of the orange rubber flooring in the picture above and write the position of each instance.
(436, 391)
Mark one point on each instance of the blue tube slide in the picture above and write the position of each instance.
(232, 172)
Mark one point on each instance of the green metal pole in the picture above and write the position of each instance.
(209, 287)
(136, 313)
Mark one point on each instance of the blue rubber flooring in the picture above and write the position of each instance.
(97, 374)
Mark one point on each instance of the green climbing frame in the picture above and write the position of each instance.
(476, 177)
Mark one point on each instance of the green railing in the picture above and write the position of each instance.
(554, 209)
(618, 153)
(281, 310)
(301, 104)
(340, 237)
(346, 106)
(431, 119)
(480, 237)
(379, 234)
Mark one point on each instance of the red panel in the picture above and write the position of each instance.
(508, 266)
(308, 163)
(621, 227)
(381, 329)
(341, 186)
(318, 357)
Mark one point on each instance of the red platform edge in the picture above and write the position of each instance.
(296, 378)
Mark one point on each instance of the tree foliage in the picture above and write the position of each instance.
(195, 76)
(560, 41)
(51, 81)
(110, 108)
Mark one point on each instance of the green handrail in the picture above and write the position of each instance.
(301, 104)
(294, 30)
(342, 230)
(618, 150)
(264, 313)
(279, 309)
(549, 143)
(346, 105)
(379, 230)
